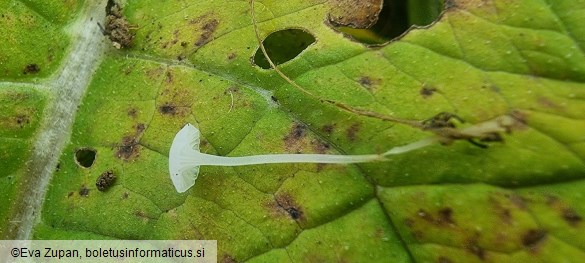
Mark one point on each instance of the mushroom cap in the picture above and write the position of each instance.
(182, 156)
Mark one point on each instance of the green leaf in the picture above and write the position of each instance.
(65, 87)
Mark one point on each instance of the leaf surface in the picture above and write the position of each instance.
(515, 201)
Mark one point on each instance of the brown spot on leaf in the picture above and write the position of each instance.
(184, 44)
(354, 13)
(169, 77)
(533, 237)
(352, 131)
(31, 69)
(132, 112)
(427, 91)
(105, 180)
(168, 109)
(83, 191)
(445, 216)
(571, 217)
(368, 82)
(288, 204)
(140, 128)
(328, 128)
(297, 132)
(125, 195)
(232, 89)
(117, 27)
(22, 120)
(70, 194)
(129, 148)
(567, 213)
(231, 56)
(319, 146)
(208, 28)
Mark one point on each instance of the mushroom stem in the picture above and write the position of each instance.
(207, 159)
(185, 157)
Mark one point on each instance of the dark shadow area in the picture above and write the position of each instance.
(283, 46)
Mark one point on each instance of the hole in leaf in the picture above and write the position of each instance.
(283, 46)
(85, 157)
(395, 18)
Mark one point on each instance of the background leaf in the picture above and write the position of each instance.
(193, 62)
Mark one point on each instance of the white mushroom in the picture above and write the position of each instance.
(185, 158)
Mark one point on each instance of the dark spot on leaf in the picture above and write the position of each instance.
(443, 259)
(287, 203)
(352, 131)
(328, 128)
(31, 69)
(445, 216)
(22, 120)
(368, 82)
(297, 132)
(105, 180)
(169, 77)
(208, 28)
(231, 56)
(168, 109)
(180, 57)
(132, 112)
(117, 27)
(184, 44)
(58, 167)
(273, 98)
(155, 73)
(85, 157)
(125, 195)
(427, 91)
(83, 191)
(70, 194)
(319, 146)
(232, 89)
(571, 217)
(441, 120)
(139, 128)
(294, 213)
(129, 148)
(533, 237)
